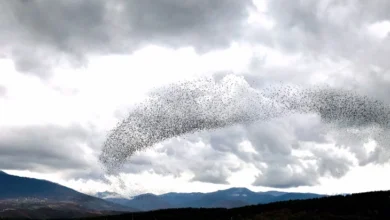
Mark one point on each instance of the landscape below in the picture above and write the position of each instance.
(45, 200)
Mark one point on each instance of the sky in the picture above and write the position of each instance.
(71, 70)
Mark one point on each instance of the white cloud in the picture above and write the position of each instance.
(380, 29)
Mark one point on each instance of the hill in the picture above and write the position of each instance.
(21, 193)
(33, 209)
(229, 198)
(144, 202)
(370, 205)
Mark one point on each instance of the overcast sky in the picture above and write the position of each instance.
(70, 71)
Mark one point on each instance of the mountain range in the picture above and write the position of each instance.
(368, 205)
(21, 195)
(229, 198)
(34, 198)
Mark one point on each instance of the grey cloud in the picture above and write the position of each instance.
(209, 174)
(373, 83)
(305, 28)
(178, 156)
(331, 164)
(270, 137)
(283, 177)
(38, 34)
(3, 90)
(202, 24)
(309, 30)
(46, 148)
(273, 142)
(355, 143)
(325, 30)
(336, 168)
(282, 174)
(309, 128)
(219, 142)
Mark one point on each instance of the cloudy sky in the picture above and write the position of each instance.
(71, 70)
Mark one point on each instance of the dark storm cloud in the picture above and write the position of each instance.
(37, 34)
(46, 148)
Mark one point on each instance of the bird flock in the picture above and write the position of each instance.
(207, 104)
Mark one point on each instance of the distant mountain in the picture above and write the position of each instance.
(238, 197)
(145, 202)
(20, 190)
(370, 205)
(273, 193)
(180, 200)
(106, 195)
(229, 198)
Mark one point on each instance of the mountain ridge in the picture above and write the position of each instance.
(42, 193)
(226, 198)
(364, 205)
